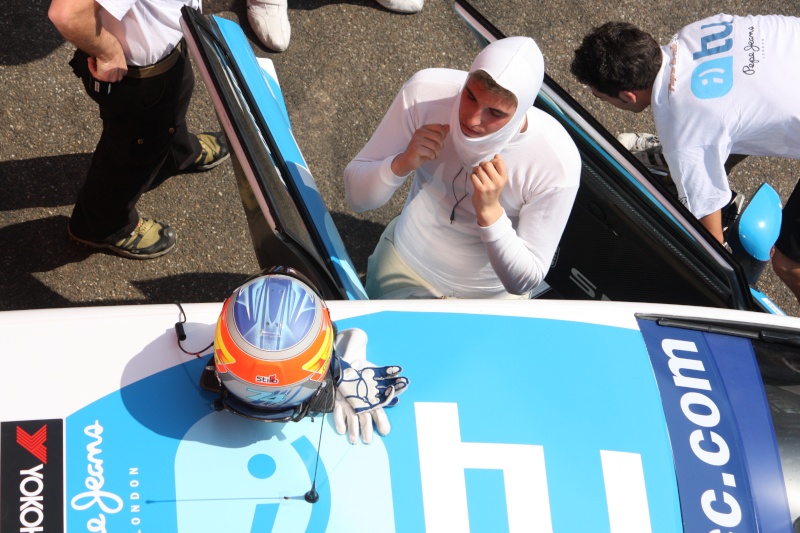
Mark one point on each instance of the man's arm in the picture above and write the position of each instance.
(78, 21)
(713, 223)
(371, 178)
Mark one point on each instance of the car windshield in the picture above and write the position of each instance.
(777, 353)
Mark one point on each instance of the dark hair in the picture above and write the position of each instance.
(616, 57)
(492, 86)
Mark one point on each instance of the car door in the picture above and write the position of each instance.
(288, 221)
(628, 238)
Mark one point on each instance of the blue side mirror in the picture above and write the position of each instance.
(756, 231)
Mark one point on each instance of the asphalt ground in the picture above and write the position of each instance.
(346, 61)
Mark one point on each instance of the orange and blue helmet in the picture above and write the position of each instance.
(273, 347)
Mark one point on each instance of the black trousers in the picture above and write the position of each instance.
(144, 141)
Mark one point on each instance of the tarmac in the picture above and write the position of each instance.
(346, 61)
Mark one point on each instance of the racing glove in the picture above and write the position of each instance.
(363, 389)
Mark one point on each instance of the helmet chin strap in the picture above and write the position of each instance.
(320, 402)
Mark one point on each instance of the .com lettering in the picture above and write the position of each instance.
(707, 445)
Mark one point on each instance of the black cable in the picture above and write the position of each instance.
(180, 333)
(456, 198)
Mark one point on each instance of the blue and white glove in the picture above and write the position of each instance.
(363, 389)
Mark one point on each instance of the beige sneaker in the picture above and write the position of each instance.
(214, 151)
(639, 142)
(646, 148)
(149, 239)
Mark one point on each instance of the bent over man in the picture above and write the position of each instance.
(723, 85)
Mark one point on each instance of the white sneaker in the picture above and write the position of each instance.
(652, 158)
(646, 148)
(402, 6)
(638, 142)
(270, 22)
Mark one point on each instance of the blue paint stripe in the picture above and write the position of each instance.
(485, 492)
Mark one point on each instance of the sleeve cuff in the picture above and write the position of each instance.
(389, 177)
(497, 230)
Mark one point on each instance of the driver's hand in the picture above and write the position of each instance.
(425, 145)
(488, 179)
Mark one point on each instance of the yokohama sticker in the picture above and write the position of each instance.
(32, 476)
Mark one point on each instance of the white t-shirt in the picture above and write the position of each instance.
(728, 85)
(463, 259)
(148, 30)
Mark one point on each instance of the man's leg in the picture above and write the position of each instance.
(786, 259)
(189, 152)
(139, 122)
(183, 145)
(390, 277)
(788, 271)
(125, 161)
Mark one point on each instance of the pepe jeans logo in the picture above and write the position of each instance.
(106, 502)
(751, 49)
(32, 476)
(713, 77)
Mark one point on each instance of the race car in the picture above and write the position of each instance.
(556, 414)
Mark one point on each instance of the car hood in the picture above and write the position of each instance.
(515, 412)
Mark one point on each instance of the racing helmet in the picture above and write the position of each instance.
(273, 347)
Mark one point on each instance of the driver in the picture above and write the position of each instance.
(493, 187)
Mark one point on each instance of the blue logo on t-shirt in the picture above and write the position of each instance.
(713, 78)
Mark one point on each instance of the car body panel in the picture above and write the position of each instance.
(554, 414)
(169, 456)
(571, 411)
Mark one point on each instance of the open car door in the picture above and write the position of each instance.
(288, 221)
(628, 237)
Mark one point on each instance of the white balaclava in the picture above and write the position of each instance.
(516, 64)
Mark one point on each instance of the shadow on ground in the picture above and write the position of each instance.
(27, 33)
(42, 181)
(20, 287)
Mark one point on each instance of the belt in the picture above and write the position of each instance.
(157, 68)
